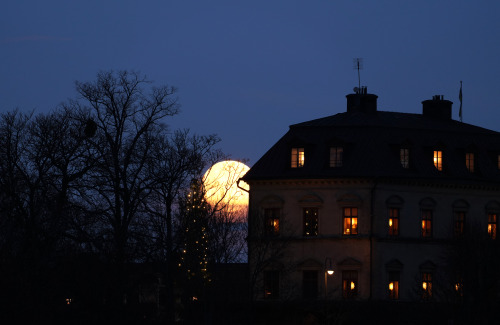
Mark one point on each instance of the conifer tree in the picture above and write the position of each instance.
(194, 241)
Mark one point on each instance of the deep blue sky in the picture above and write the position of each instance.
(246, 70)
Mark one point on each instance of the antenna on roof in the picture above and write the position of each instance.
(358, 65)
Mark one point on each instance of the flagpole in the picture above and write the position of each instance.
(460, 98)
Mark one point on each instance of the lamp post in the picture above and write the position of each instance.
(328, 271)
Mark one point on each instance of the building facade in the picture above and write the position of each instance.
(373, 205)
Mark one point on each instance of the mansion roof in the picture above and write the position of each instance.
(371, 141)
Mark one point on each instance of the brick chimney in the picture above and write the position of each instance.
(361, 101)
(437, 107)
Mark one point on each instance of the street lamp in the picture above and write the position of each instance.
(328, 271)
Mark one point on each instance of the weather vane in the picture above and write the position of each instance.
(358, 65)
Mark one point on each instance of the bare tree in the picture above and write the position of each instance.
(129, 118)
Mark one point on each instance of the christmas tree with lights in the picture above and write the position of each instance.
(193, 240)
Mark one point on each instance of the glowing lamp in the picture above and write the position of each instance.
(391, 286)
(353, 285)
(330, 272)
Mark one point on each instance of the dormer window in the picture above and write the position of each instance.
(404, 157)
(298, 157)
(469, 161)
(336, 156)
(438, 159)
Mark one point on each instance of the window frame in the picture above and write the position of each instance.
(272, 218)
(470, 161)
(438, 159)
(298, 157)
(458, 224)
(350, 221)
(393, 221)
(271, 281)
(307, 218)
(336, 156)
(404, 157)
(394, 278)
(349, 284)
(426, 222)
(492, 225)
(426, 285)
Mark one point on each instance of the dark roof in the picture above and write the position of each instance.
(371, 143)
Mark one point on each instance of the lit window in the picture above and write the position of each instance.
(393, 285)
(426, 285)
(426, 223)
(336, 156)
(297, 157)
(350, 221)
(469, 161)
(498, 162)
(438, 159)
(404, 157)
(271, 284)
(272, 221)
(349, 284)
(310, 284)
(310, 222)
(459, 287)
(393, 221)
(459, 223)
(492, 225)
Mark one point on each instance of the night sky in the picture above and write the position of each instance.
(246, 70)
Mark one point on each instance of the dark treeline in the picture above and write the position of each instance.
(88, 190)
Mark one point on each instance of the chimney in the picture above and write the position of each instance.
(361, 101)
(437, 107)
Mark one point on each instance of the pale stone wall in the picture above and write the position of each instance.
(412, 251)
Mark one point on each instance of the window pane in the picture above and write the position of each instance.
(404, 156)
(426, 223)
(272, 221)
(310, 221)
(469, 161)
(438, 159)
(393, 285)
(298, 157)
(271, 284)
(349, 284)
(459, 223)
(350, 221)
(426, 285)
(393, 221)
(492, 225)
(336, 156)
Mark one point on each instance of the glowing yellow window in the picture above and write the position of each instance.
(438, 159)
(349, 284)
(350, 221)
(393, 221)
(426, 285)
(298, 157)
(492, 225)
(426, 223)
(272, 216)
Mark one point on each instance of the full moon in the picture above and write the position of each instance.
(221, 184)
